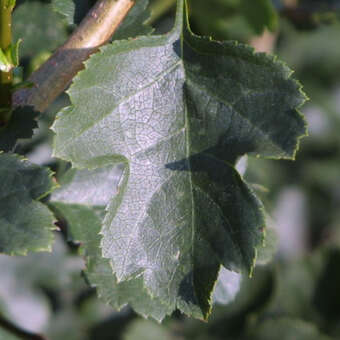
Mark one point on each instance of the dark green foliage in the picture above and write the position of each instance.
(156, 132)
(230, 19)
(133, 25)
(25, 223)
(73, 10)
(39, 27)
(21, 125)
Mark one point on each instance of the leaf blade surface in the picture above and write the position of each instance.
(81, 202)
(179, 110)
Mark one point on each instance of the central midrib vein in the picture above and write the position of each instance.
(188, 154)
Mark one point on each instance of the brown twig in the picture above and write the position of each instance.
(52, 78)
(15, 330)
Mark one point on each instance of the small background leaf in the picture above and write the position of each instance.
(134, 23)
(260, 14)
(39, 27)
(73, 10)
(21, 125)
(132, 26)
(25, 223)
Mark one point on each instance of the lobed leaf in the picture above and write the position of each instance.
(81, 202)
(178, 110)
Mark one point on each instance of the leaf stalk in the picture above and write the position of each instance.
(6, 78)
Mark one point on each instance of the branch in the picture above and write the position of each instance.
(52, 78)
(13, 329)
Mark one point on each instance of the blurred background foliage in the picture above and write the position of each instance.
(297, 295)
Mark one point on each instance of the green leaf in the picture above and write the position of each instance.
(73, 10)
(134, 23)
(66, 8)
(260, 14)
(81, 201)
(25, 223)
(179, 110)
(39, 27)
(132, 26)
(21, 125)
(236, 19)
(9, 58)
(14, 53)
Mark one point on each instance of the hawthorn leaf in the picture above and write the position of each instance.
(26, 224)
(21, 125)
(81, 201)
(179, 110)
(229, 283)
